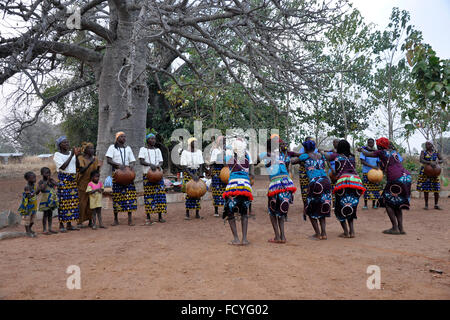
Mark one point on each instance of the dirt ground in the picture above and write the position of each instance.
(192, 260)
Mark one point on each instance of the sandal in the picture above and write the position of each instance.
(273, 241)
(390, 231)
(115, 223)
(343, 235)
(161, 220)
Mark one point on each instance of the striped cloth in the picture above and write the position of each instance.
(281, 184)
(349, 181)
(238, 187)
(68, 197)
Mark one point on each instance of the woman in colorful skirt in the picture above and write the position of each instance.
(88, 163)
(332, 168)
(238, 192)
(151, 158)
(425, 183)
(348, 189)
(192, 163)
(49, 199)
(124, 197)
(369, 163)
(216, 163)
(281, 188)
(397, 192)
(66, 162)
(303, 177)
(318, 200)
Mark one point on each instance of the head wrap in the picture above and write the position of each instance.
(59, 140)
(118, 134)
(190, 140)
(85, 144)
(273, 135)
(309, 145)
(150, 135)
(383, 142)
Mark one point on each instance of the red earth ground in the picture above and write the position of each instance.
(192, 259)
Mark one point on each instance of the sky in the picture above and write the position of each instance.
(432, 17)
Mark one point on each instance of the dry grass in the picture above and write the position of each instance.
(31, 163)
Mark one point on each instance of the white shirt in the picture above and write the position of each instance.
(192, 160)
(60, 159)
(216, 155)
(152, 156)
(120, 155)
(230, 153)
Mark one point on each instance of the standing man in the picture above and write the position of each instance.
(369, 163)
(124, 197)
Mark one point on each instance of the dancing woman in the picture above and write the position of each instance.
(281, 188)
(303, 178)
(318, 198)
(238, 192)
(348, 189)
(397, 192)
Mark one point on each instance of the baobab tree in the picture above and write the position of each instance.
(117, 45)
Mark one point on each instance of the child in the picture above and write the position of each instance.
(94, 190)
(49, 199)
(28, 206)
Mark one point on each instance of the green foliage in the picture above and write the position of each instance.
(430, 93)
(411, 164)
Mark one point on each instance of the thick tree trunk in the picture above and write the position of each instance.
(113, 100)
